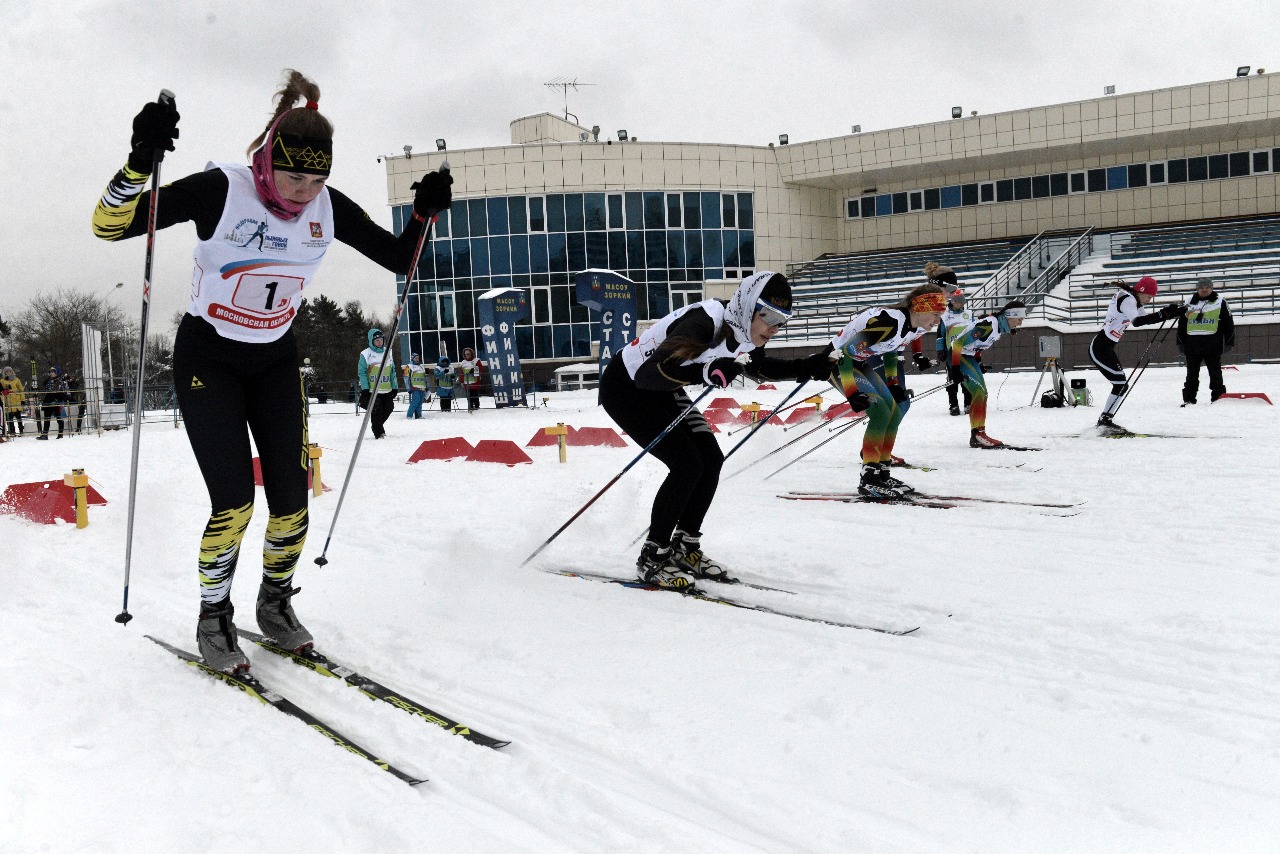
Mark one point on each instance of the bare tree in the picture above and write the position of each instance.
(48, 329)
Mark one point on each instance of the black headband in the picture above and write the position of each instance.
(306, 154)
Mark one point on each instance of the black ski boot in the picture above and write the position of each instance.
(277, 620)
(955, 409)
(216, 638)
(689, 558)
(1107, 426)
(656, 566)
(873, 485)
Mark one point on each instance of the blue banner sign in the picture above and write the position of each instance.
(612, 300)
(498, 311)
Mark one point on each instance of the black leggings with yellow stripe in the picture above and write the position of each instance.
(226, 390)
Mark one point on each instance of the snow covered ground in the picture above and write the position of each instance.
(1108, 681)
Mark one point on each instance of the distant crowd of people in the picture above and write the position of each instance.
(57, 396)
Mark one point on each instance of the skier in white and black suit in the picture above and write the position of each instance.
(1205, 332)
(235, 358)
(1124, 311)
(643, 391)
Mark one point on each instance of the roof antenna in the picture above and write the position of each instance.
(565, 84)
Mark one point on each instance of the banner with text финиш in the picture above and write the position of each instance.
(498, 311)
(612, 299)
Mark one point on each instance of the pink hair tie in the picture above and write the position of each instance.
(312, 105)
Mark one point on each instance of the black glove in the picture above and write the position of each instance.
(364, 398)
(922, 362)
(954, 374)
(1169, 312)
(154, 130)
(899, 393)
(721, 372)
(815, 367)
(858, 401)
(432, 194)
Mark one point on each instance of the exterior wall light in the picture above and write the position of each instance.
(1242, 71)
(439, 145)
(783, 139)
(957, 112)
(622, 136)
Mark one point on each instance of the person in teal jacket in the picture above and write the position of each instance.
(445, 377)
(376, 391)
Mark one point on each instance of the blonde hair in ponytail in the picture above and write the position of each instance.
(299, 121)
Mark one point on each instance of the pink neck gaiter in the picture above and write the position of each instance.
(265, 182)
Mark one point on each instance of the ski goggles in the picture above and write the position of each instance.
(1015, 313)
(773, 316)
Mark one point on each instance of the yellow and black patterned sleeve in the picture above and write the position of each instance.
(116, 208)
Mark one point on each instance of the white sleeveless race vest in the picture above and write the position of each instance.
(1120, 314)
(847, 340)
(640, 349)
(249, 277)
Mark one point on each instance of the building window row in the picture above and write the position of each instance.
(1236, 164)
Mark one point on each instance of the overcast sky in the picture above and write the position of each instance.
(74, 73)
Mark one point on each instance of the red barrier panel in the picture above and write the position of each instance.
(723, 403)
(542, 440)
(45, 501)
(767, 387)
(605, 437)
(442, 449)
(801, 414)
(1246, 395)
(498, 451)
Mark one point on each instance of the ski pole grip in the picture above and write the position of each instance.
(166, 99)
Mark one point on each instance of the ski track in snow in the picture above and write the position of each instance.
(1104, 681)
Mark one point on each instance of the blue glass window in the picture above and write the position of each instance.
(442, 222)
(577, 252)
(693, 249)
(497, 215)
(615, 211)
(538, 253)
(1118, 178)
(500, 255)
(729, 210)
(693, 210)
(516, 214)
(747, 248)
(635, 250)
(617, 250)
(426, 268)
(573, 218)
(581, 339)
(559, 256)
(884, 205)
(555, 213)
(458, 219)
(479, 256)
(598, 249)
(519, 254)
(730, 248)
(673, 210)
(900, 204)
(397, 219)
(655, 250)
(851, 208)
(675, 249)
(655, 211)
(524, 341)
(461, 258)
(444, 259)
(537, 213)
(713, 249)
(710, 210)
(542, 342)
(561, 340)
(593, 205)
(477, 214)
(746, 214)
(659, 299)
(634, 203)
(951, 196)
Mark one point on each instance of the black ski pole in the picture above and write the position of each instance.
(1143, 361)
(123, 618)
(382, 369)
(779, 408)
(617, 477)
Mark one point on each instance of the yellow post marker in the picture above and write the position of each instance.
(754, 409)
(79, 482)
(816, 400)
(560, 432)
(313, 455)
